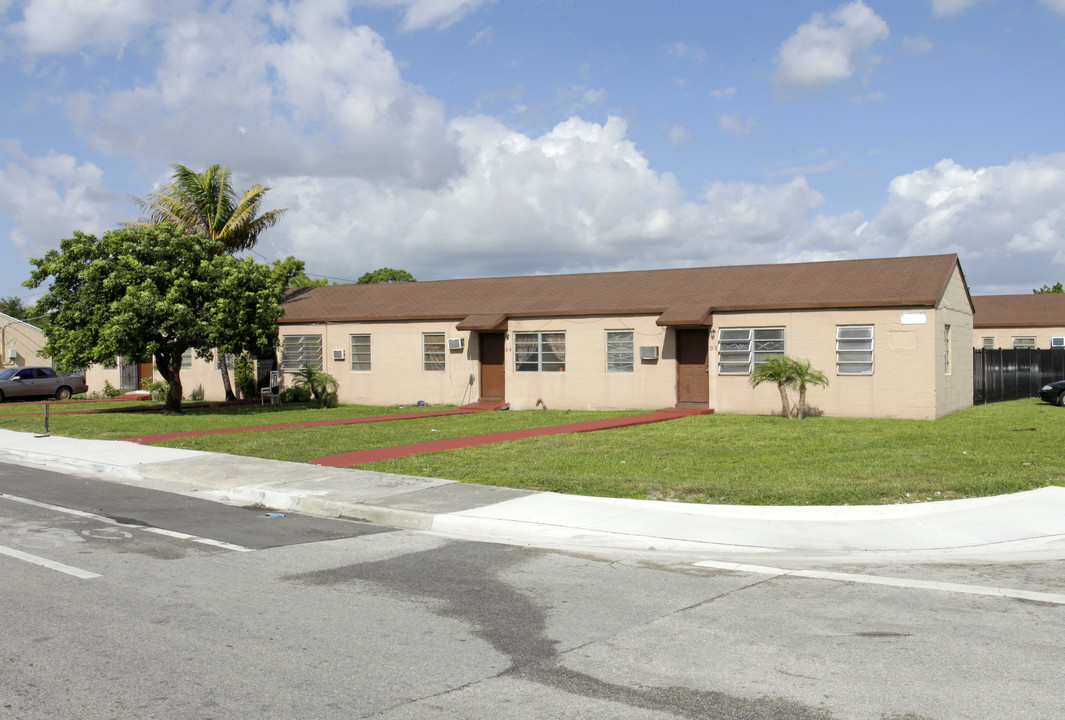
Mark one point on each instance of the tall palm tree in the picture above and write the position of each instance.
(206, 203)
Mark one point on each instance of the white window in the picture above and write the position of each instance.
(740, 349)
(619, 354)
(540, 351)
(360, 353)
(1024, 343)
(186, 359)
(854, 350)
(1057, 341)
(300, 351)
(946, 349)
(433, 351)
(988, 343)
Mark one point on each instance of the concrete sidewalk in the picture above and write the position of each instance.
(1024, 526)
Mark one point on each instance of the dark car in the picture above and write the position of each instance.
(29, 382)
(1054, 392)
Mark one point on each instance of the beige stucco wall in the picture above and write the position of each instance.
(908, 380)
(1003, 337)
(954, 389)
(397, 375)
(202, 377)
(25, 339)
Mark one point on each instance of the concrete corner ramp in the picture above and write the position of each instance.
(1031, 523)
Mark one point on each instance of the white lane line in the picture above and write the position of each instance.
(51, 564)
(1054, 598)
(109, 521)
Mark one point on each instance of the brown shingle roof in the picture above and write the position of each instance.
(1034, 310)
(683, 292)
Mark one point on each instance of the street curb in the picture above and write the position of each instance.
(69, 467)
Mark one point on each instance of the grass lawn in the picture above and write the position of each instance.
(734, 459)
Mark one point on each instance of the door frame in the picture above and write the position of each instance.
(499, 374)
(683, 336)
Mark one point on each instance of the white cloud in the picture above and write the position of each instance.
(947, 8)
(918, 44)
(65, 26)
(50, 196)
(723, 93)
(733, 123)
(421, 14)
(678, 135)
(989, 215)
(686, 52)
(580, 197)
(327, 97)
(1057, 6)
(826, 50)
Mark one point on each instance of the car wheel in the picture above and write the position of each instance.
(63, 393)
(1, 395)
(1061, 399)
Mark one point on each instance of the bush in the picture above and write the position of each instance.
(296, 393)
(323, 386)
(158, 389)
(244, 376)
(110, 391)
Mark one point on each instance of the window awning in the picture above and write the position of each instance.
(495, 321)
(685, 316)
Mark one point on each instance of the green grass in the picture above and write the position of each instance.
(735, 459)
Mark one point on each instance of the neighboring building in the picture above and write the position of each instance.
(20, 342)
(1033, 321)
(893, 335)
(200, 378)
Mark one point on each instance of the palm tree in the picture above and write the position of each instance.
(805, 375)
(779, 369)
(206, 203)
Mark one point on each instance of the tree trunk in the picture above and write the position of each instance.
(801, 407)
(784, 404)
(170, 368)
(224, 366)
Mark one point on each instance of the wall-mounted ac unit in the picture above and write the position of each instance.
(455, 343)
(648, 352)
(12, 354)
(338, 354)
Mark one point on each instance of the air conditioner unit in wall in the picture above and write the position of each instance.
(338, 354)
(648, 352)
(455, 343)
(12, 354)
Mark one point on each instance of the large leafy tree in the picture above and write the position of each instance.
(289, 273)
(153, 291)
(205, 203)
(385, 275)
(1048, 289)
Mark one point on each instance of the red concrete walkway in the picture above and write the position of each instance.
(358, 457)
(144, 439)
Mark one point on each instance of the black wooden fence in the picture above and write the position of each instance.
(1014, 374)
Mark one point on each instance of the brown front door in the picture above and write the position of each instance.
(693, 382)
(145, 370)
(493, 370)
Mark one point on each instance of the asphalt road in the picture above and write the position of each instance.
(117, 602)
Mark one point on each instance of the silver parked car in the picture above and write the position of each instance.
(27, 382)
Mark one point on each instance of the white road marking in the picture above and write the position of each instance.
(109, 521)
(1054, 598)
(51, 564)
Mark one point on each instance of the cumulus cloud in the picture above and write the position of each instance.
(918, 44)
(307, 93)
(723, 93)
(579, 197)
(686, 52)
(988, 215)
(421, 14)
(51, 195)
(65, 26)
(828, 49)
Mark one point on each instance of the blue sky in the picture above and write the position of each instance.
(464, 138)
